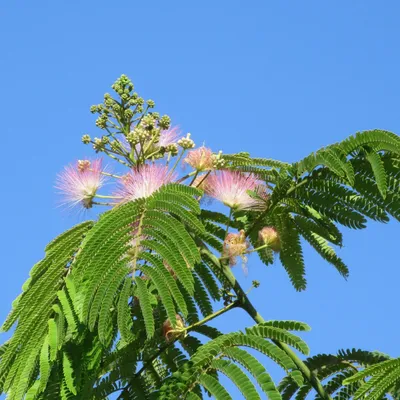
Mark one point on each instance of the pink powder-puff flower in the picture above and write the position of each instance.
(201, 159)
(79, 183)
(231, 188)
(235, 245)
(143, 182)
(169, 136)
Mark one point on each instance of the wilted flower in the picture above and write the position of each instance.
(235, 244)
(269, 236)
(201, 159)
(169, 332)
(79, 183)
(143, 182)
(231, 187)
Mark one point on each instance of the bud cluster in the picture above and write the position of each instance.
(186, 143)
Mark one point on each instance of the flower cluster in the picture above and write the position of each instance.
(145, 143)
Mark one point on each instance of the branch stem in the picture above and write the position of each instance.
(246, 305)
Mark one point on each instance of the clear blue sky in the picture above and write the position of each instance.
(276, 78)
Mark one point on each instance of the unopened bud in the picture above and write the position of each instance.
(172, 148)
(218, 161)
(98, 144)
(83, 165)
(151, 103)
(164, 122)
(86, 139)
(186, 142)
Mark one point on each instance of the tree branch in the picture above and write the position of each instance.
(163, 348)
(246, 304)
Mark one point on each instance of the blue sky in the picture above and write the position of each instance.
(276, 78)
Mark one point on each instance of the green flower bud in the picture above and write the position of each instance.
(218, 161)
(186, 143)
(256, 284)
(105, 139)
(148, 122)
(101, 122)
(128, 113)
(141, 133)
(132, 138)
(98, 144)
(139, 101)
(172, 148)
(125, 96)
(164, 122)
(139, 109)
(109, 102)
(151, 103)
(93, 109)
(155, 115)
(124, 80)
(86, 139)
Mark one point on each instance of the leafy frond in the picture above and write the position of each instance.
(20, 359)
(383, 378)
(335, 371)
(226, 354)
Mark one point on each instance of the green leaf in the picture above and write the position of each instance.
(69, 374)
(124, 316)
(145, 306)
(379, 171)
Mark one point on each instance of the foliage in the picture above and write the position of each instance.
(122, 304)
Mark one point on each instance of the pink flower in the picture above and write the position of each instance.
(200, 159)
(79, 183)
(235, 244)
(143, 182)
(230, 187)
(168, 136)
